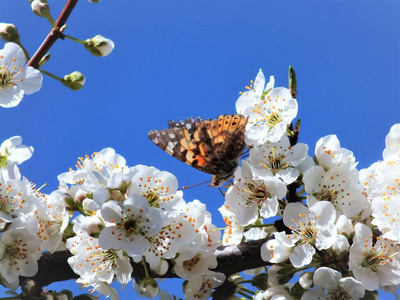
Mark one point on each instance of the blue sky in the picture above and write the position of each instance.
(179, 59)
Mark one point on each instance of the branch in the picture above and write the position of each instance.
(231, 259)
(53, 35)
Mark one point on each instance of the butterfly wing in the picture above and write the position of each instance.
(181, 141)
(211, 146)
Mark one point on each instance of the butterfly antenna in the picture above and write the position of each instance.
(185, 187)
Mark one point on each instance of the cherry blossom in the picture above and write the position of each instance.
(16, 78)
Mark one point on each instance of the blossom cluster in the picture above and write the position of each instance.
(336, 227)
(329, 209)
(117, 214)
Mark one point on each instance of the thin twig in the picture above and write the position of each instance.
(53, 35)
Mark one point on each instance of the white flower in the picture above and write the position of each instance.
(19, 252)
(278, 292)
(16, 199)
(250, 198)
(160, 188)
(201, 287)
(329, 154)
(13, 153)
(95, 170)
(269, 115)
(16, 79)
(51, 228)
(330, 282)
(311, 227)
(189, 265)
(91, 262)
(375, 265)
(233, 232)
(338, 185)
(129, 225)
(278, 159)
(257, 89)
(169, 240)
(392, 141)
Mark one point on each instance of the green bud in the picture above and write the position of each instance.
(28, 287)
(292, 82)
(9, 33)
(44, 59)
(94, 1)
(149, 287)
(40, 8)
(99, 46)
(74, 81)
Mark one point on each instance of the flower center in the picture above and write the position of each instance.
(7, 74)
(130, 226)
(16, 251)
(339, 294)
(152, 197)
(257, 192)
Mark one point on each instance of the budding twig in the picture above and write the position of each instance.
(53, 35)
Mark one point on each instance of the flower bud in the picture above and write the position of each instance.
(40, 8)
(9, 33)
(28, 287)
(306, 280)
(94, 1)
(74, 81)
(44, 59)
(149, 287)
(99, 46)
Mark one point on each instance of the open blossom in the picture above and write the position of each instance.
(269, 114)
(278, 159)
(201, 287)
(19, 250)
(249, 198)
(338, 185)
(16, 78)
(330, 282)
(13, 153)
(53, 224)
(129, 225)
(329, 154)
(16, 199)
(160, 188)
(310, 227)
(92, 262)
(375, 265)
(189, 265)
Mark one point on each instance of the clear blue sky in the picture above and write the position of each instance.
(179, 59)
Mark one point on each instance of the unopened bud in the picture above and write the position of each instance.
(149, 287)
(74, 81)
(99, 46)
(40, 8)
(292, 82)
(306, 280)
(9, 33)
(44, 59)
(94, 1)
(28, 287)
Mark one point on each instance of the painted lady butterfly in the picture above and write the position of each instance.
(211, 146)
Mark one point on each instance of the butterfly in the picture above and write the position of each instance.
(211, 146)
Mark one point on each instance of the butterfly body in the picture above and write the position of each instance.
(211, 146)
